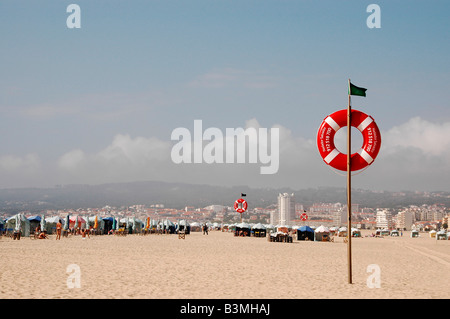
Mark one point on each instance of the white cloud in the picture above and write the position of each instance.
(138, 151)
(125, 159)
(413, 156)
(71, 160)
(430, 138)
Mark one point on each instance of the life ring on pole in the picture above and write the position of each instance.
(366, 154)
(240, 205)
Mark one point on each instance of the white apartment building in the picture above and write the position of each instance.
(383, 219)
(405, 220)
(340, 218)
(286, 210)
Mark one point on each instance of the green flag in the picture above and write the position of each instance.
(354, 90)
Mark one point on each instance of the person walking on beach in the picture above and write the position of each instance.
(205, 229)
(58, 230)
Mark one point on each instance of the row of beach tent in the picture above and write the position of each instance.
(320, 233)
(27, 225)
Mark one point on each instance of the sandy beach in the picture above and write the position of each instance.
(220, 265)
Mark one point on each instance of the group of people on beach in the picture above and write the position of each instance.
(83, 232)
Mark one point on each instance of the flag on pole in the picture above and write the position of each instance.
(355, 90)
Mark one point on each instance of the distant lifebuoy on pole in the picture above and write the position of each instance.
(366, 154)
(304, 217)
(240, 205)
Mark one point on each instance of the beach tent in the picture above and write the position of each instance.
(243, 229)
(108, 224)
(20, 223)
(414, 233)
(137, 225)
(259, 230)
(305, 233)
(322, 233)
(167, 225)
(128, 224)
(441, 235)
(342, 232)
(282, 229)
(333, 230)
(356, 232)
(183, 225)
(77, 222)
(195, 226)
(100, 223)
(395, 233)
(50, 223)
(35, 221)
(270, 228)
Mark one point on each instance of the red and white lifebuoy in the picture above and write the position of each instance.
(240, 205)
(371, 140)
(304, 217)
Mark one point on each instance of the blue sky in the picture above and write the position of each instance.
(98, 104)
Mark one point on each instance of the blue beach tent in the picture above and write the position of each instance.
(305, 233)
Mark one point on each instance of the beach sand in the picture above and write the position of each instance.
(220, 265)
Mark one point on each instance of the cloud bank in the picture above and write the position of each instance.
(413, 156)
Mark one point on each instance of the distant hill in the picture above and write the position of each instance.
(179, 195)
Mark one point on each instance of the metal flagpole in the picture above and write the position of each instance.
(349, 187)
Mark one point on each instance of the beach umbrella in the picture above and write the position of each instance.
(42, 222)
(147, 225)
(66, 222)
(87, 223)
(117, 224)
(114, 223)
(128, 222)
(96, 223)
(18, 224)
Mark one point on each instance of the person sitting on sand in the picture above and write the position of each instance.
(42, 235)
(84, 232)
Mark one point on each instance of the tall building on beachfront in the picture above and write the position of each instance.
(286, 210)
(340, 217)
(405, 220)
(384, 219)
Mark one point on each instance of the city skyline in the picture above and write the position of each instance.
(98, 104)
